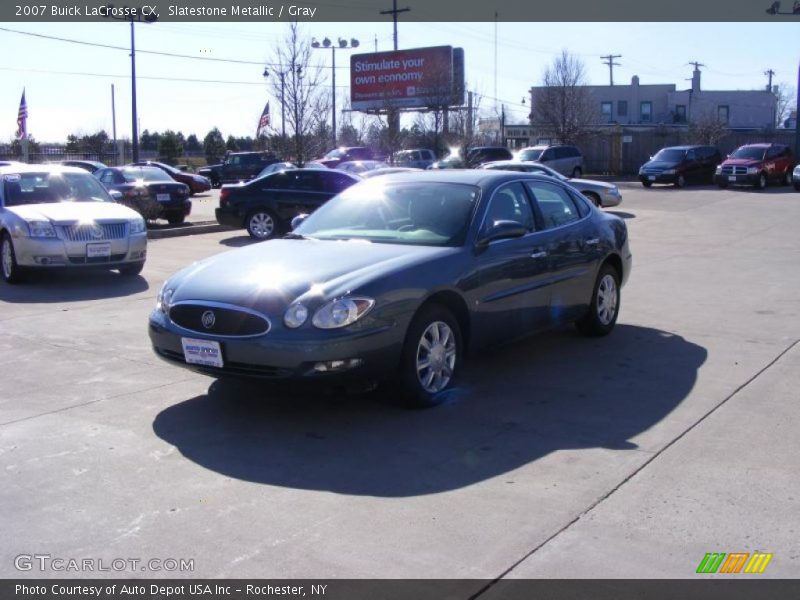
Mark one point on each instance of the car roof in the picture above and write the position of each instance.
(39, 168)
(759, 145)
(463, 176)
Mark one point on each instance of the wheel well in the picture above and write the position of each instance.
(594, 197)
(616, 262)
(455, 304)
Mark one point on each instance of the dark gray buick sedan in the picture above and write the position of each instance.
(395, 278)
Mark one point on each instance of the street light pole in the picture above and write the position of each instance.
(343, 45)
(134, 129)
(282, 75)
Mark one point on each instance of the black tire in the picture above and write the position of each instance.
(175, 218)
(787, 178)
(680, 181)
(131, 269)
(601, 316)
(761, 182)
(594, 198)
(647, 183)
(432, 322)
(577, 172)
(10, 271)
(262, 225)
(797, 187)
(215, 183)
(722, 185)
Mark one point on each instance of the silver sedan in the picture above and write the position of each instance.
(600, 193)
(55, 216)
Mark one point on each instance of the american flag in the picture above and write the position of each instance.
(263, 122)
(22, 118)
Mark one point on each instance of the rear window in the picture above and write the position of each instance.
(145, 174)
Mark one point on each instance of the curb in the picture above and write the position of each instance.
(189, 229)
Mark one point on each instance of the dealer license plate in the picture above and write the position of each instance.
(98, 250)
(732, 178)
(163, 197)
(202, 352)
(652, 177)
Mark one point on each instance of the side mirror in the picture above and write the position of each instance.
(298, 220)
(116, 195)
(501, 230)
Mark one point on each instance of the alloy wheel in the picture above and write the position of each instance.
(261, 225)
(607, 299)
(436, 357)
(7, 259)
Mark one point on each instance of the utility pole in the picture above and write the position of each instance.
(769, 73)
(394, 12)
(696, 64)
(609, 60)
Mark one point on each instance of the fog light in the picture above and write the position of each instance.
(48, 260)
(330, 366)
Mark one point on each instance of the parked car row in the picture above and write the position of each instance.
(754, 165)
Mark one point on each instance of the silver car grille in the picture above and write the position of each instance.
(734, 170)
(92, 232)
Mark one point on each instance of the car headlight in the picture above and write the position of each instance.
(342, 312)
(718, 169)
(137, 226)
(668, 172)
(295, 316)
(163, 299)
(613, 191)
(752, 170)
(41, 229)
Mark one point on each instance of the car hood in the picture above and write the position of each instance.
(69, 212)
(271, 275)
(660, 164)
(592, 183)
(741, 162)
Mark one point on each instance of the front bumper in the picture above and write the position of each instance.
(56, 252)
(658, 177)
(724, 179)
(284, 355)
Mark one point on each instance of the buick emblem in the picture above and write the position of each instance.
(208, 319)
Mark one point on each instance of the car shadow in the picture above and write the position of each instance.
(238, 241)
(621, 214)
(513, 406)
(46, 286)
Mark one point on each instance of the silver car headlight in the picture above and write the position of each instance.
(41, 229)
(164, 298)
(342, 312)
(613, 191)
(752, 170)
(718, 169)
(137, 226)
(295, 316)
(668, 172)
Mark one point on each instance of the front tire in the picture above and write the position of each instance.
(431, 357)
(577, 172)
(175, 218)
(595, 199)
(131, 270)
(261, 225)
(787, 178)
(680, 181)
(9, 269)
(604, 306)
(761, 182)
(647, 184)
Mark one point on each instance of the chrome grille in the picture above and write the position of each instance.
(734, 170)
(93, 232)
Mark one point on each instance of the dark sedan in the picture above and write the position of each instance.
(265, 206)
(92, 166)
(396, 278)
(680, 165)
(197, 183)
(149, 191)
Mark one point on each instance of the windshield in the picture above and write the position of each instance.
(40, 188)
(146, 174)
(750, 152)
(418, 214)
(670, 155)
(530, 153)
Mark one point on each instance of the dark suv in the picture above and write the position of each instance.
(482, 154)
(680, 165)
(756, 165)
(237, 166)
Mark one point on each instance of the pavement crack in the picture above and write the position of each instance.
(633, 474)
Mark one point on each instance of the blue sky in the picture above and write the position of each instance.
(69, 85)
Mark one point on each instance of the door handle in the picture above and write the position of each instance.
(540, 254)
(592, 242)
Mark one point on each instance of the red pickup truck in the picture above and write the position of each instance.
(756, 165)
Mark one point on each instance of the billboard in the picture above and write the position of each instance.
(415, 78)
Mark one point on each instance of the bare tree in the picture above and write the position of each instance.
(307, 101)
(784, 102)
(706, 128)
(562, 106)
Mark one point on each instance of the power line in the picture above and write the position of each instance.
(114, 76)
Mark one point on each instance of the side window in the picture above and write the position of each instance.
(548, 154)
(773, 152)
(107, 177)
(555, 204)
(691, 155)
(581, 204)
(234, 160)
(510, 203)
(278, 181)
(335, 182)
(307, 182)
